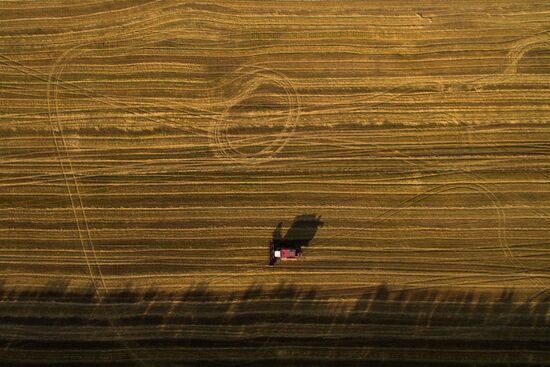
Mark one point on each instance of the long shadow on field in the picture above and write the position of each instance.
(300, 233)
(283, 325)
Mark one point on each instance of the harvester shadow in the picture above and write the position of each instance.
(396, 326)
(300, 233)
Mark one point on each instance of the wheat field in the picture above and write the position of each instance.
(150, 149)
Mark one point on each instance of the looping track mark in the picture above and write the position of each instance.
(250, 78)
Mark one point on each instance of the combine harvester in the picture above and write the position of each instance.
(301, 232)
(282, 253)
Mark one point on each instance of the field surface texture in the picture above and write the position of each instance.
(149, 150)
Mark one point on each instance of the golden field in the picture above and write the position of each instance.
(150, 148)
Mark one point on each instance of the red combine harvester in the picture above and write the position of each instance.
(299, 235)
(282, 253)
